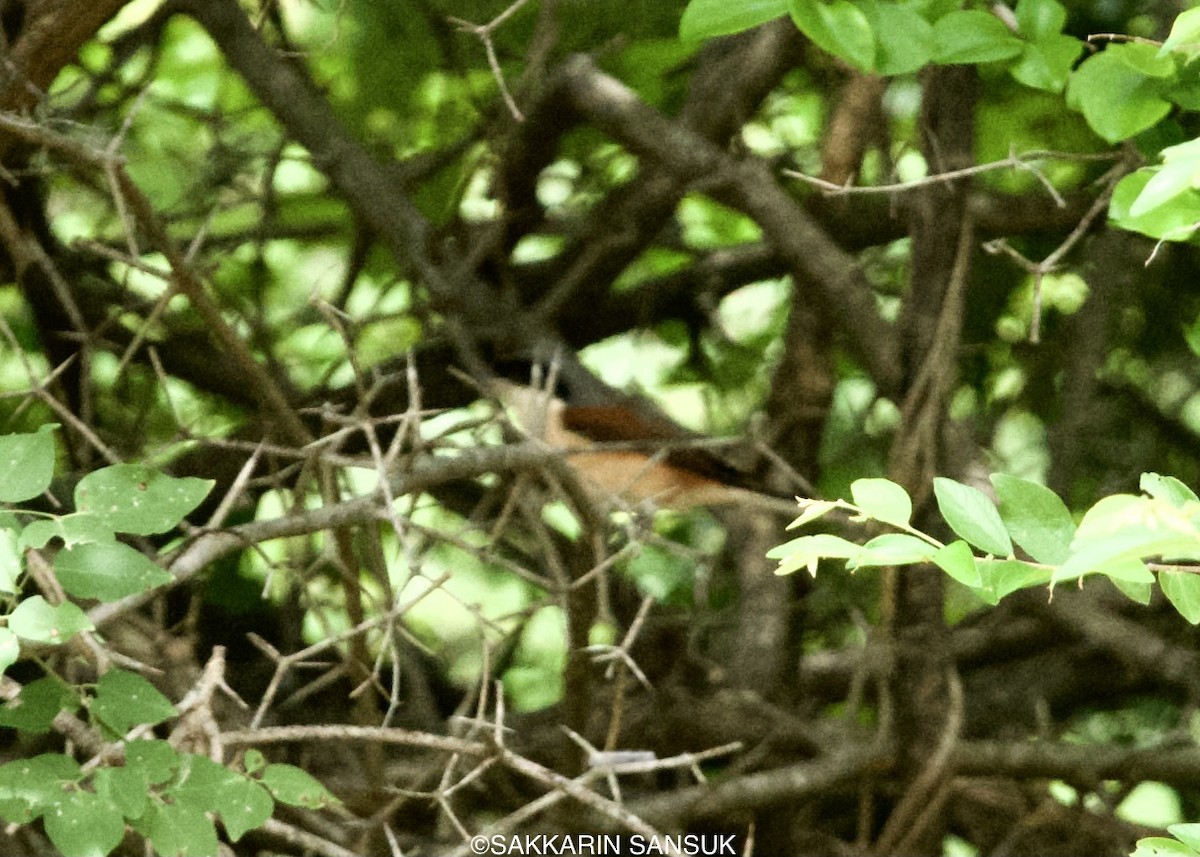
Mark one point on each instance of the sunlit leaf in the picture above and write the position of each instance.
(1178, 175)
(1167, 488)
(1185, 34)
(1176, 221)
(1188, 834)
(893, 549)
(10, 649)
(1106, 554)
(812, 510)
(883, 500)
(806, 551)
(36, 619)
(1161, 846)
(1182, 590)
(12, 561)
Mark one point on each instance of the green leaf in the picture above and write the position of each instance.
(1150, 517)
(1139, 593)
(1167, 488)
(806, 551)
(904, 39)
(124, 788)
(293, 786)
(1123, 527)
(812, 510)
(1183, 91)
(73, 529)
(1117, 100)
(178, 830)
(1174, 222)
(201, 781)
(133, 498)
(254, 761)
(1145, 59)
(705, 18)
(35, 619)
(244, 805)
(973, 36)
(1160, 846)
(154, 760)
(1003, 577)
(27, 462)
(1166, 184)
(38, 703)
(1114, 512)
(957, 560)
(1185, 35)
(1179, 174)
(1127, 570)
(12, 562)
(107, 571)
(124, 700)
(29, 786)
(10, 649)
(883, 500)
(1188, 834)
(1183, 590)
(837, 27)
(1035, 517)
(1038, 19)
(972, 516)
(893, 549)
(1046, 64)
(84, 824)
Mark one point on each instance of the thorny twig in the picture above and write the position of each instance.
(484, 33)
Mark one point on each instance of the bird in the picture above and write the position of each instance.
(621, 450)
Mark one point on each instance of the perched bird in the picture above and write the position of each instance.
(620, 450)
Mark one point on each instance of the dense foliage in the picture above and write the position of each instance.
(278, 570)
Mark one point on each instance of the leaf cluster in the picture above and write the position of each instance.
(1133, 540)
(1122, 92)
(168, 796)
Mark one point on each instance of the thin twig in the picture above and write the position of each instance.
(1012, 162)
